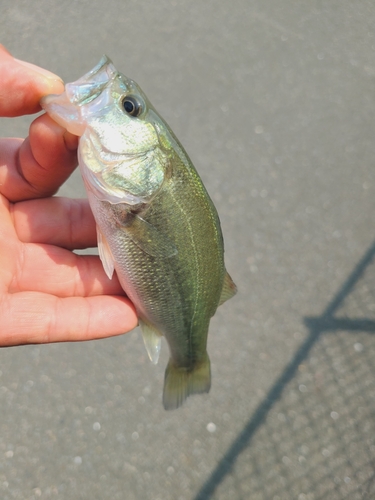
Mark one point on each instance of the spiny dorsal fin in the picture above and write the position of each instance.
(229, 289)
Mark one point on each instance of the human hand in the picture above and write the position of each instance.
(47, 293)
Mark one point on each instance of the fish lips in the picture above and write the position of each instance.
(66, 108)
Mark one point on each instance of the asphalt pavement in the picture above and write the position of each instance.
(274, 102)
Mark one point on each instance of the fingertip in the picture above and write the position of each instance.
(108, 316)
(45, 81)
(122, 313)
(51, 79)
(52, 146)
(45, 159)
(23, 84)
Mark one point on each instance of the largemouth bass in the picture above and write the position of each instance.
(156, 224)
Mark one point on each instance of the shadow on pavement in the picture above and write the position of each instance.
(313, 435)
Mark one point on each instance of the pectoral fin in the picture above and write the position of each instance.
(229, 289)
(105, 254)
(152, 340)
(149, 239)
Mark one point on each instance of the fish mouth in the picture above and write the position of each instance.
(65, 108)
(92, 84)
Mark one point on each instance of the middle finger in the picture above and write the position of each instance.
(57, 221)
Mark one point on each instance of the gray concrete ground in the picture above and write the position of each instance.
(274, 101)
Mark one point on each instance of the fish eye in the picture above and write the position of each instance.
(132, 105)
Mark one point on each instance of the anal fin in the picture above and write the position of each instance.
(151, 339)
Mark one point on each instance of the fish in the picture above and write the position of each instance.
(157, 227)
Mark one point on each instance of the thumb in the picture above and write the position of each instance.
(23, 84)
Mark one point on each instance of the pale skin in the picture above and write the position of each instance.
(47, 293)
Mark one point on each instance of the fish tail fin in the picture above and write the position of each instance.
(180, 382)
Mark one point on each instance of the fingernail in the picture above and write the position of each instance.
(41, 71)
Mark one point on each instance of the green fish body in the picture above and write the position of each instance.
(157, 226)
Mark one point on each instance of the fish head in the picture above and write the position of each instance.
(121, 154)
